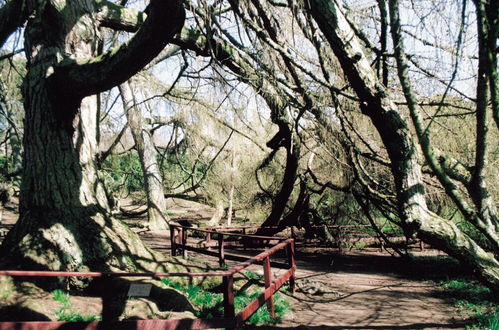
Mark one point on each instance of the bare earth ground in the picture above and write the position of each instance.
(354, 290)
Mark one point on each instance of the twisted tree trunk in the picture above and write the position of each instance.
(65, 223)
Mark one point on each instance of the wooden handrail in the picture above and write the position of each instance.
(211, 231)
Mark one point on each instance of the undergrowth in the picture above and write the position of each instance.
(66, 311)
(474, 301)
(210, 304)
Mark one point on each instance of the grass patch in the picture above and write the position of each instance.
(66, 311)
(254, 276)
(210, 304)
(360, 245)
(262, 316)
(474, 301)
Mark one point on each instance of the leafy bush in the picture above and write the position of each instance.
(262, 316)
(123, 172)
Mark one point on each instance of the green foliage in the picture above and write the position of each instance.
(475, 301)
(173, 284)
(66, 312)
(475, 234)
(392, 230)
(61, 296)
(173, 169)
(360, 245)
(253, 275)
(210, 304)
(337, 208)
(3, 161)
(123, 173)
(71, 316)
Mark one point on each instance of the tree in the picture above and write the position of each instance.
(405, 163)
(331, 74)
(64, 221)
(153, 182)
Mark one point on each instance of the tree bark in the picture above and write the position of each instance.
(156, 202)
(232, 187)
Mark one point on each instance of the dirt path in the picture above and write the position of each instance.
(357, 290)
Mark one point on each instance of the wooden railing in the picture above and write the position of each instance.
(214, 241)
(342, 234)
(229, 320)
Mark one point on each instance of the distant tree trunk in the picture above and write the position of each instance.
(231, 205)
(232, 187)
(16, 150)
(217, 216)
(64, 222)
(156, 202)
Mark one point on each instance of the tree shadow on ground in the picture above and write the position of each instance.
(419, 267)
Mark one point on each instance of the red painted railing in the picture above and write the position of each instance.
(209, 246)
(230, 319)
(341, 234)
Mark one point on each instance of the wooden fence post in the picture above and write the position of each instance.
(208, 240)
(229, 310)
(291, 262)
(183, 240)
(172, 240)
(267, 274)
(221, 251)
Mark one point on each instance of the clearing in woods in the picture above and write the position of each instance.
(363, 289)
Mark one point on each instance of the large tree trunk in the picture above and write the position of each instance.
(64, 221)
(156, 202)
(397, 138)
